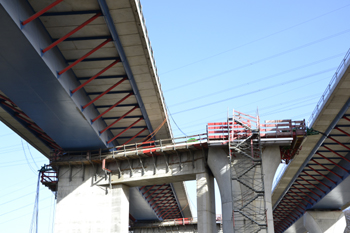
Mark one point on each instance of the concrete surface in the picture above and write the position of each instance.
(206, 203)
(271, 158)
(319, 222)
(75, 212)
(155, 171)
(220, 167)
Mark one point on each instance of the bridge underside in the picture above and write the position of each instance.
(317, 177)
(81, 76)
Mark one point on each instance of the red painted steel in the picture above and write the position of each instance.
(36, 15)
(332, 162)
(307, 188)
(312, 184)
(148, 190)
(157, 195)
(120, 118)
(337, 153)
(342, 131)
(113, 106)
(297, 201)
(71, 33)
(326, 168)
(104, 166)
(132, 218)
(302, 196)
(95, 76)
(85, 56)
(116, 136)
(339, 143)
(324, 176)
(315, 179)
(103, 93)
(165, 200)
(155, 191)
(346, 118)
(135, 135)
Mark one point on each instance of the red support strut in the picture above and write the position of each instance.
(105, 92)
(71, 33)
(85, 56)
(36, 15)
(110, 108)
(95, 76)
(116, 136)
(120, 118)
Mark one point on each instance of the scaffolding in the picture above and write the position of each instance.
(246, 172)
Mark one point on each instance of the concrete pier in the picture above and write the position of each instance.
(83, 206)
(206, 203)
(270, 160)
(220, 167)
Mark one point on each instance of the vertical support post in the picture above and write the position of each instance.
(270, 161)
(206, 203)
(120, 209)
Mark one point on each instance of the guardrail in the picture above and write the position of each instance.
(335, 79)
(282, 128)
(153, 146)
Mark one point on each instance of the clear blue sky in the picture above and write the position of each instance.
(275, 55)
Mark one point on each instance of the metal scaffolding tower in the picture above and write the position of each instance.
(246, 171)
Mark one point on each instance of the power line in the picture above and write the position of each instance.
(258, 80)
(32, 156)
(281, 93)
(175, 122)
(20, 208)
(256, 91)
(256, 40)
(260, 60)
(25, 155)
(18, 164)
(21, 216)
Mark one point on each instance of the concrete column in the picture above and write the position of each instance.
(120, 209)
(271, 158)
(84, 206)
(324, 221)
(347, 219)
(220, 167)
(206, 203)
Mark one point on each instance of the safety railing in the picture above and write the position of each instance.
(221, 131)
(332, 84)
(162, 144)
(271, 129)
(246, 119)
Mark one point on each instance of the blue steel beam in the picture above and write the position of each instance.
(119, 106)
(104, 77)
(85, 38)
(119, 47)
(65, 13)
(95, 59)
(111, 92)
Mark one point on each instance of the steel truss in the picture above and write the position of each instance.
(246, 172)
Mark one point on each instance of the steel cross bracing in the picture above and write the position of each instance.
(98, 66)
(162, 200)
(327, 167)
(246, 172)
(10, 107)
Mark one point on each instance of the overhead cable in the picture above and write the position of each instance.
(256, 91)
(260, 60)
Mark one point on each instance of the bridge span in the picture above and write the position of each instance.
(78, 82)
